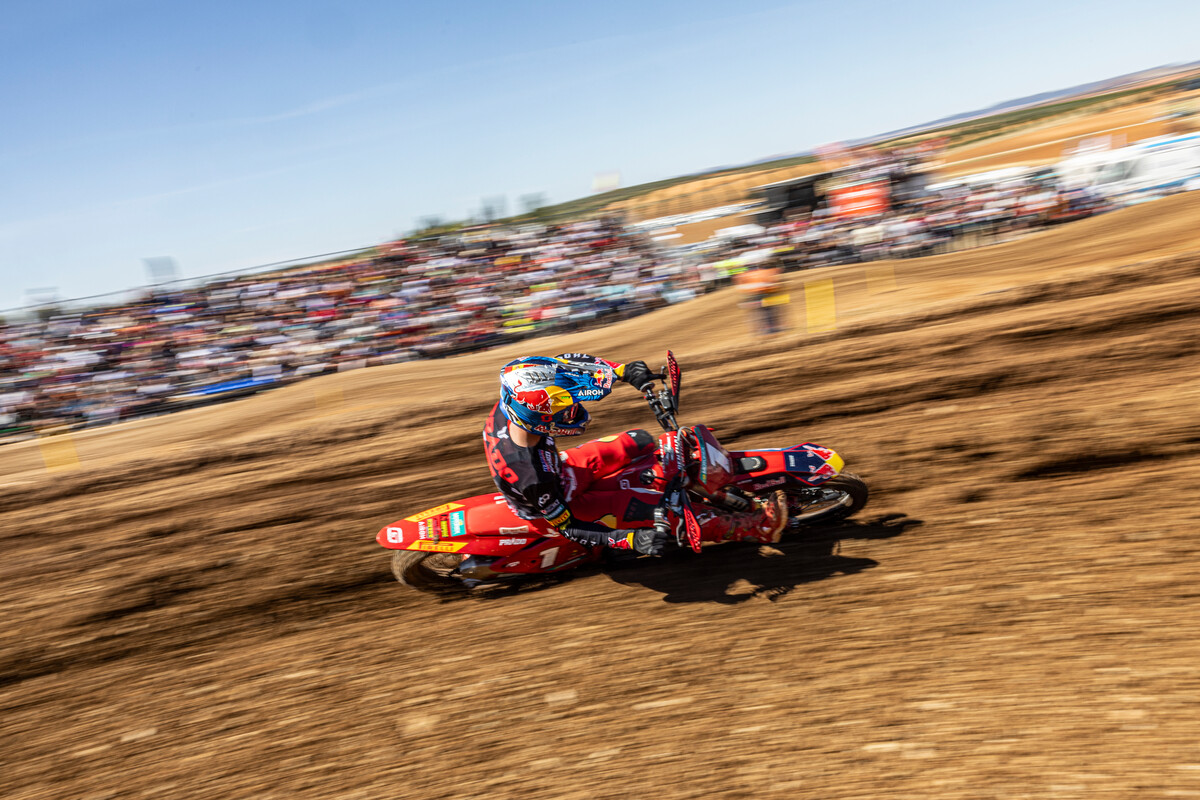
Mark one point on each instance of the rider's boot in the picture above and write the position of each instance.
(764, 524)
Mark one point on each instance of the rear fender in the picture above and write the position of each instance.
(395, 537)
(485, 526)
(480, 525)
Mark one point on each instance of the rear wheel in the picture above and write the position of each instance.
(429, 572)
(832, 501)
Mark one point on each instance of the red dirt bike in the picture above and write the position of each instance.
(480, 541)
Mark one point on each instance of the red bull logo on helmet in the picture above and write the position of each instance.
(535, 400)
(549, 400)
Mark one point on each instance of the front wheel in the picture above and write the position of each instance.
(834, 500)
(428, 572)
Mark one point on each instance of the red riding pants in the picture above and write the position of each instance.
(584, 464)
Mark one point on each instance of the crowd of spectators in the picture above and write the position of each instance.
(937, 219)
(178, 347)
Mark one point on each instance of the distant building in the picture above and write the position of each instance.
(784, 198)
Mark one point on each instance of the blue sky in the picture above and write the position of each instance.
(231, 134)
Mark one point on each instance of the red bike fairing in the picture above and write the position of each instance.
(530, 478)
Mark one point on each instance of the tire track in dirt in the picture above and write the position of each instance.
(1015, 612)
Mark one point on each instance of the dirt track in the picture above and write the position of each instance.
(201, 611)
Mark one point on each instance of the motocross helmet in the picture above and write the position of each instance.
(543, 395)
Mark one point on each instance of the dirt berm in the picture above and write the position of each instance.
(200, 611)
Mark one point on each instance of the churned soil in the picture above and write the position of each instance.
(199, 610)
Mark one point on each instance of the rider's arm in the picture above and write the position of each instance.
(646, 541)
(553, 508)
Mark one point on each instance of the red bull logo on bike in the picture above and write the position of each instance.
(818, 463)
(824, 452)
(824, 473)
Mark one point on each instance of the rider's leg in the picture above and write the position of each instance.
(583, 464)
(763, 524)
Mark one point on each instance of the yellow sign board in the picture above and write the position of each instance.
(819, 303)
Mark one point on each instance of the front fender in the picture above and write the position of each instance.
(809, 464)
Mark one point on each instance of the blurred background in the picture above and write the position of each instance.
(468, 285)
(261, 266)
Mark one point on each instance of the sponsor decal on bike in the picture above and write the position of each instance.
(458, 523)
(824, 452)
(433, 512)
(823, 474)
(769, 482)
(819, 462)
(516, 529)
(444, 524)
(506, 542)
(395, 535)
(561, 519)
(802, 461)
(437, 547)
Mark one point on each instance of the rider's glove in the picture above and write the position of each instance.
(649, 542)
(637, 375)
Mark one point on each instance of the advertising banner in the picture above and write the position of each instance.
(859, 199)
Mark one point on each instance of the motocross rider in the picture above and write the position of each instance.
(541, 398)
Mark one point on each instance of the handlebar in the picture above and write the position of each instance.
(663, 403)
